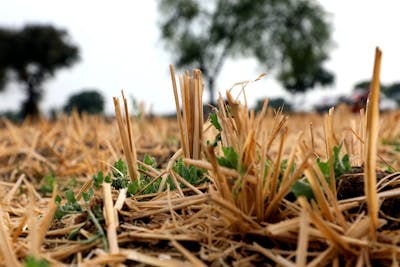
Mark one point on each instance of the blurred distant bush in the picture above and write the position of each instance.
(393, 91)
(11, 115)
(274, 103)
(90, 101)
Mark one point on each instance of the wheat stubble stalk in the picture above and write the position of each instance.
(190, 119)
(125, 132)
(371, 145)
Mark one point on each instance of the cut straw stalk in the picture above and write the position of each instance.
(371, 145)
(40, 227)
(329, 148)
(329, 140)
(302, 241)
(6, 249)
(192, 258)
(190, 119)
(111, 217)
(126, 138)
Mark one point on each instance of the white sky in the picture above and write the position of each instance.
(121, 49)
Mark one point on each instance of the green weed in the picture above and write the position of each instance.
(48, 186)
(31, 261)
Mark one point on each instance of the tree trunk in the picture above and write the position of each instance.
(30, 105)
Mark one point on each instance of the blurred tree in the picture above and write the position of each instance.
(90, 101)
(32, 55)
(365, 84)
(392, 91)
(274, 103)
(293, 36)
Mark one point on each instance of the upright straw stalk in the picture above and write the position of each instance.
(371, 145)
(190, 119)
(125, 131)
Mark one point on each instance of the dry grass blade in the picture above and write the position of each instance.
(183, 134)
(287, 182)
(329, 148)
(193, 259)
(274, 181)
(276, 258)
(330, 139)
(234, 210)
(39, 230)
(302, 242)
(153, 261)
(105, 259)
(327, 231)
(6, 248)
(371, 145)
(111, 217)
(315, 180)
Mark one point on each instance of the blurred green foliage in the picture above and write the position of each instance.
(294, 37)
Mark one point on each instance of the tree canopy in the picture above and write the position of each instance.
(292, 36)
(274, 103)
(30, 56)
(89, 100)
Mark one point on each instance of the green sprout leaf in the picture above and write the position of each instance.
(340, 165)
(120, 169)
(87, 195)
(70, 196)
(133, 187)
(214, 121)
(190, 173)
(230, 158)
(31, 261)
(98, 179)
(149, 160)
(48, 187)
(300, 188)
(72, 206)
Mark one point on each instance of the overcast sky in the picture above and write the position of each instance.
(121, 49)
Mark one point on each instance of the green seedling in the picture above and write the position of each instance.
(230, 158)
(70, 207)
(190, 173)
(302, 188)
(340, 166)
(87, 195)
(48, 186)
(119, 178)
(99, 178)
(120, 169)
(214, 121)
(31, 261)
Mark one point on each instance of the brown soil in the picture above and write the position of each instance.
(351, 185)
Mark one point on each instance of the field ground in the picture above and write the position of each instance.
(60, 207)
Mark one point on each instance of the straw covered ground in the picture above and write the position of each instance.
(234, 189)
